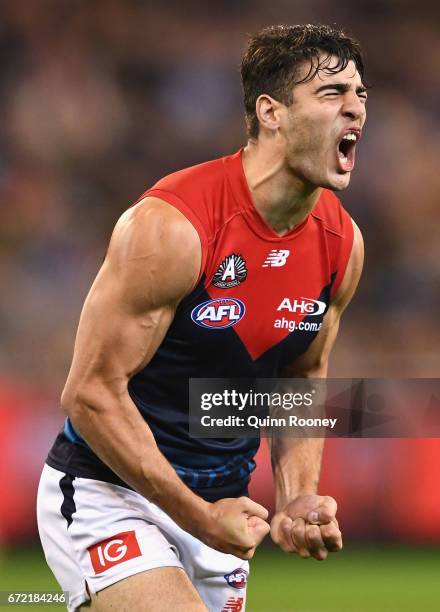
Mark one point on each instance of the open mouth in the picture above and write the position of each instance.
(347, 149)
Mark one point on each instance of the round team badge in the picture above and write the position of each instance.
(219, 313)
(231, 272)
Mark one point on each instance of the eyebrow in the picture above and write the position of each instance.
(341, 87)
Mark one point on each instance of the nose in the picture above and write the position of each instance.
(353, 107)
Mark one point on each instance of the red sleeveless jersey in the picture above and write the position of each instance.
(258, 303)
(279, 280)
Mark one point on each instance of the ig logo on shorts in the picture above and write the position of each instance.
(117, 549)
(218, 314)
(237, 578)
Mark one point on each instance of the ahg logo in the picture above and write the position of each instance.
(305, 306)
(117, 549)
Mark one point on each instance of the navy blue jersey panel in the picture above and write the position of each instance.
(161, 393)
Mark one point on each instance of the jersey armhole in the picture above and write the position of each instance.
(188, 212)
(344, 253)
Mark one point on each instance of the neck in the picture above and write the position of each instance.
(281, 197)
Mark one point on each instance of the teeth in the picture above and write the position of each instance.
(350, 136)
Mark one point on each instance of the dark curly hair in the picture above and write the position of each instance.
(273, 57)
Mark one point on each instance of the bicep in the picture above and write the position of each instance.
(134, 297)
(314, 362)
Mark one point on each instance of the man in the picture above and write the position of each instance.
(195, 279)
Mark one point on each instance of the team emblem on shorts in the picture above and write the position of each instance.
(237, 578)
(231, 272)
(219, 313)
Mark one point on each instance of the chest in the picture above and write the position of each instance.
(259, 294)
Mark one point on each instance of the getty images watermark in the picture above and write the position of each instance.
(275, 402)
(230, 408)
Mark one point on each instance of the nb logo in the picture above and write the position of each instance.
(234, 604)
(276, 258)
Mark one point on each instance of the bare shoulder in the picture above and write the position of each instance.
(154, 253)
(153, 222)
(353, 271)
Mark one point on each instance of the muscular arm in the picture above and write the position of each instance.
(152, 262)
(125, 317)
(296, 462)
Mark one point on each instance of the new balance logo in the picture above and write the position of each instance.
(234, 604)
(276, 258)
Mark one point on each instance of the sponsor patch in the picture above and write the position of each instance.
(308, 326)
(231, 272)
(234, 604)
(219, 313)
(276, 259)
(117, 549)
(304, 306)
(237, 578)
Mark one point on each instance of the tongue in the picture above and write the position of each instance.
(346, 163)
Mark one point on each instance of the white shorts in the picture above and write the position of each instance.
(95, 533)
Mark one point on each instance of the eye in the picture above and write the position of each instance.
(331, 93)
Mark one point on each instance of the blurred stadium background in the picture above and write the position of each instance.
(99, 100)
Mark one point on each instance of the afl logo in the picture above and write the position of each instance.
(219, 313)
(237, 578)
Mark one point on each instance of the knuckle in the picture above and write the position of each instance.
(313, 533)
(330, 531)
(313, 530)
(298, 530)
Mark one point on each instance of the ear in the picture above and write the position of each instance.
(268, 111)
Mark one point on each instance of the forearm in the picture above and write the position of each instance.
(122, 440)
(296, 465)
(296, 461)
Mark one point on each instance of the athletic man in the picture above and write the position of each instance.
(217, 271)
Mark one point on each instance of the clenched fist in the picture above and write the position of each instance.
(236, 526)
(308, 527)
